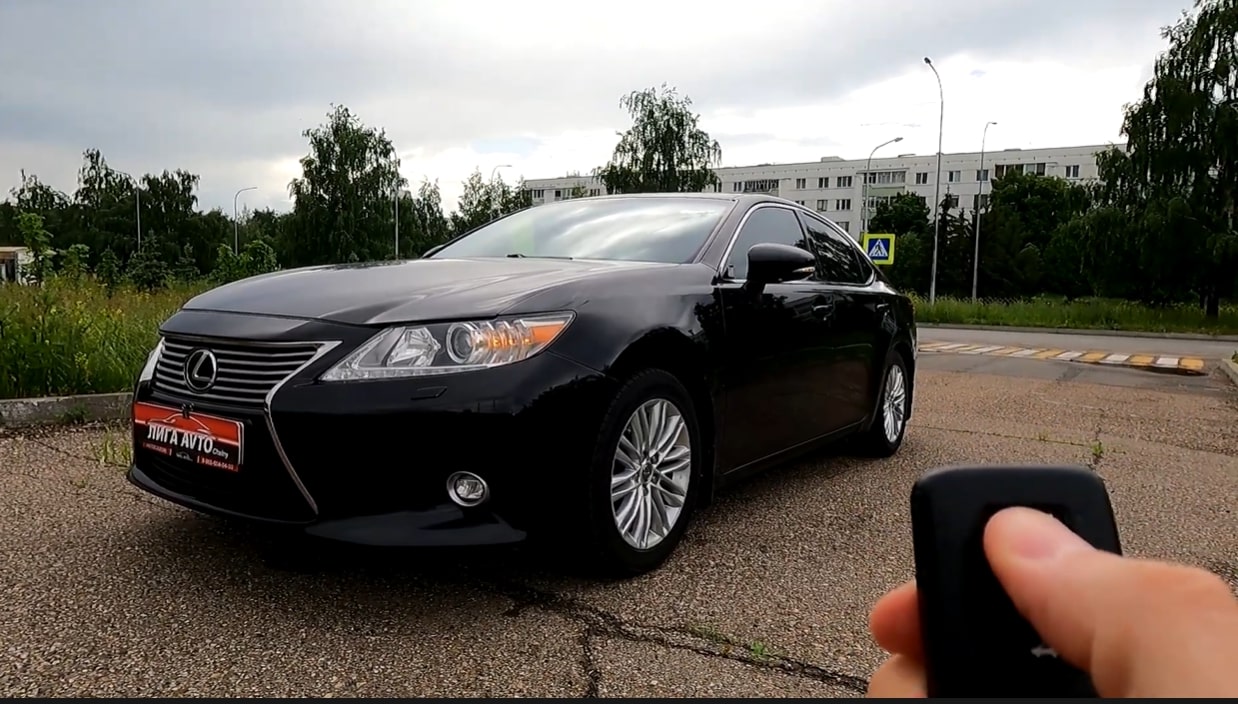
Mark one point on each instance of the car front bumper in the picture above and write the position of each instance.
(367, 462)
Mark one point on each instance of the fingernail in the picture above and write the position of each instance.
(1035, 535)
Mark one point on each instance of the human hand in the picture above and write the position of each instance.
(1141, 628)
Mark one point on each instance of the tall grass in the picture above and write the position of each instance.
(69, 337)
(1084, 314)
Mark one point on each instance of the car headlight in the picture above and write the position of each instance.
(148, 370)
(448, 348)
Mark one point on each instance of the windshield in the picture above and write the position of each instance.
(668, 230)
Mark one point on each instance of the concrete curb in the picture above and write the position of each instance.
(1230, 369)
(62, 410)
(1086, 331)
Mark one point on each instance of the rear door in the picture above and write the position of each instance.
(855, 323)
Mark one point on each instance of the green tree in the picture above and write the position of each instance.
(422, 222)
(109, 270)
(906, 216)
(75, 261)
(665, 150)
(477, 206)
(146, 270)
(343, 202)
(258, 257)
(106, 206)
(39, 241)
(1174, 190)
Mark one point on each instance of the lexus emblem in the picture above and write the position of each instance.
(201, 368)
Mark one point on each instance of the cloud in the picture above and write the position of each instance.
(226, 89)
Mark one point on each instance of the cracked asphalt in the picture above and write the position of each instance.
(109, 592)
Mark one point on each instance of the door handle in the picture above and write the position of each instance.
(823, 310)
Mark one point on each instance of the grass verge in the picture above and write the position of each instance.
(1078, 314)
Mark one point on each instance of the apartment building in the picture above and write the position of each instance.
(836, 187)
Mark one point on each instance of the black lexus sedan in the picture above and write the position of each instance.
(588, 371)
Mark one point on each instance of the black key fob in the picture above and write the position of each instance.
(975, 642)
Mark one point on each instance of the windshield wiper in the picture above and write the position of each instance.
(515, 255)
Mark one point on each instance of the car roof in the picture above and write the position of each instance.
(747, 198)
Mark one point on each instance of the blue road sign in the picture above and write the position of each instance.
(880, 248)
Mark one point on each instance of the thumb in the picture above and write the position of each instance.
(1141, 628)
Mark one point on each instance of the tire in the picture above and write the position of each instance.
(607, 549)
(876, 441)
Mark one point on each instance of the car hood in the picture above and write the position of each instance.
(395, 292)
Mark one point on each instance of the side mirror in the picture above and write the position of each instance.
(432, 250)
(770, 263)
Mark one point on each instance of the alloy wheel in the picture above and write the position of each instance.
(650, 474)
(895, 402)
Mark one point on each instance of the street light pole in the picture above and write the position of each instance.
(493, 209)
(941, 120)
(137, 192)
(975, 261)
(397, 221)
(864, 191)
(236, 230)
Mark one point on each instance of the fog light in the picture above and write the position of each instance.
(467, 489)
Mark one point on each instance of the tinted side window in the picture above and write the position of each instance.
(775, 225)
(837, 260)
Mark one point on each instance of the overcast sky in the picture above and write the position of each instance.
(225, 88)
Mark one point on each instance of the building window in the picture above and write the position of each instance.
(844, 224)
(821, 204)
(874, 201)
(886, 177)
(980, 200)
(1072, 171)
(823, 182)
(951, 200)
(595, 191)
(537, 193)
(737, 186)
(954, 176)
(982, 175)
(799, 202)
(842, 204)
(921, 178)
(761, 185)
(558, 194)
(844, 182)
(801, 183)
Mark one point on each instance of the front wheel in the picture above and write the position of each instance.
(885, 435)
(645, 475)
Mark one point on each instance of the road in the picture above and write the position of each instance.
(108, 592)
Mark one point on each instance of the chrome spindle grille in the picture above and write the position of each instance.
(245, 372)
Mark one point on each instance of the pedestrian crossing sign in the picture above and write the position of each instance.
(880, 248)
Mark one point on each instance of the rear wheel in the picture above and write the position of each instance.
(645, 475)
(885, 435)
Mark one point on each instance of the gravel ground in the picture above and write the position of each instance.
(108, 592)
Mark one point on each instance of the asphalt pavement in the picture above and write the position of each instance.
(110, 592)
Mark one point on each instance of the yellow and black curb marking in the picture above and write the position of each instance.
(1191, 366)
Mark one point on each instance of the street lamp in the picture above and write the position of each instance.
(236, 231)
(975, 261)
(494, 207)
(137, 194)
(864, 192)
(941, 119)
(398, 195)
